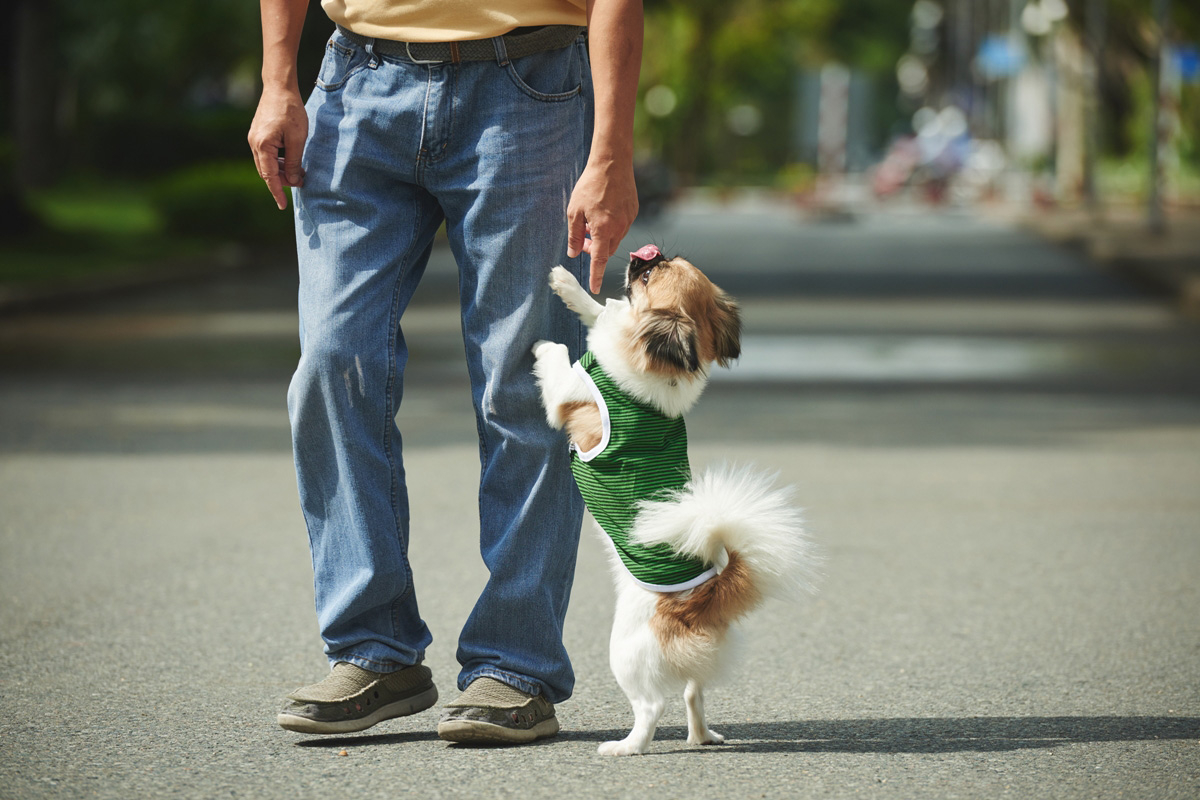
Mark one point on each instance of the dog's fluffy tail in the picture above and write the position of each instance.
(738, 517)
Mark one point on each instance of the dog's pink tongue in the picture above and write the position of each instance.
(647, 253)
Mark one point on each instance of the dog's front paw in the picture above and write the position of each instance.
(562, 281)
(710, 737)
(621, 748)
(564, 284)
(574, 296)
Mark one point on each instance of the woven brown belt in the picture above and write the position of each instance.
(516, 45)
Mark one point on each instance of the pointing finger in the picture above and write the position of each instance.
(600, 256)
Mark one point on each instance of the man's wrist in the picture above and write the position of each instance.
(608, 158)
(613, 143)
(281, 79)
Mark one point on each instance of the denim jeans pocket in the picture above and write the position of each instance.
(550, 77)
(343, 58)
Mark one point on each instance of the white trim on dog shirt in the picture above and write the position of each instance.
(605, 422)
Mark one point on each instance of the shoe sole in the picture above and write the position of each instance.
(473, 731)
(399, 708)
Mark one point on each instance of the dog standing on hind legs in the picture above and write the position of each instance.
(690, 555)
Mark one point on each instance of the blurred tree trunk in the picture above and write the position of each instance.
(1156, 215)
(35, 93)
(695, 121)
(1095, 33)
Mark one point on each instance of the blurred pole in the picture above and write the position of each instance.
(1097, 13)
(971, 98)
(1018, 189)
(960, 41)
(833, 115)
(988, 23)
(1011, 110)
(1155, 215)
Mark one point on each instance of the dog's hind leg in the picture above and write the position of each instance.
(646, 712)
(559, 383)
(698, 730)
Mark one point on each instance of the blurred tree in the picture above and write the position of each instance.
(1129, 49)
(34, 91)
(715, 56)
(137, 86)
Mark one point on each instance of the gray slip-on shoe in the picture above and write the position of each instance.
(492, 712)
(353, 699)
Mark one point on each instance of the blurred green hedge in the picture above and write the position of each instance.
(141, 144)
(221, 200)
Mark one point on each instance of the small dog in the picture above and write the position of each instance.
(690, 555)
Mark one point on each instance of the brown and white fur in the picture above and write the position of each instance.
(658, 346)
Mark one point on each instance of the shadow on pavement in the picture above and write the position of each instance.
(336, 742)
(917, 735)
(379, 740)
(900, 735)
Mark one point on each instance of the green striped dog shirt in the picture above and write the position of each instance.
(642, 456)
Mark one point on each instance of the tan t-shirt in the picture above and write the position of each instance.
(449, 20)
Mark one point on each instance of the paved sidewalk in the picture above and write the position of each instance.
(997, 447)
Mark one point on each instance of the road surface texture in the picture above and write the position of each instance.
(997, 444)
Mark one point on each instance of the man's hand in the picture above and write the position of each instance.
(280, 123)
(603, 206)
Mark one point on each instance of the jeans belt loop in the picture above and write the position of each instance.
(501, 51)
(373, 61)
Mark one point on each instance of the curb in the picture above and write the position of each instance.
(222, 260)
(438, 283)
(1167, 262)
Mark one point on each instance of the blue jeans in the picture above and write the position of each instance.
(494, 148)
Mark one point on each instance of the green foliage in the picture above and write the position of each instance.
(796, 178)
(1129, 18)
(718, 55)
(127, 53)
(145, 87)
(870, 35)
(84, 229)
(222, 200)
(1189, 127)
(140, 144)
(99, 209)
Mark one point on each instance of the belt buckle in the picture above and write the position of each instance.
(408, 51)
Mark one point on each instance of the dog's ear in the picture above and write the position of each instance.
(727, 330)
(669, 340)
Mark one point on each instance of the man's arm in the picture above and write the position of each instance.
(280, 121)
(604, 203)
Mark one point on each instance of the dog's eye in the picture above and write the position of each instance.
(646, 275)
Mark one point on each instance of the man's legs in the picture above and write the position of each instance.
(501, 155)
(513, 156)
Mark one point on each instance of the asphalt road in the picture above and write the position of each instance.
(998, 446)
